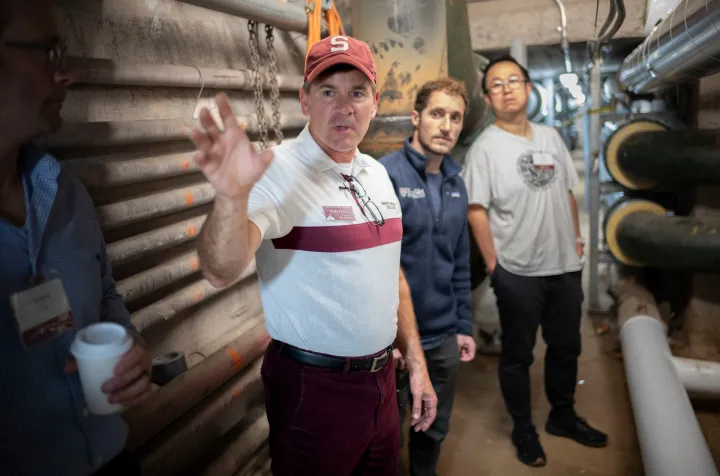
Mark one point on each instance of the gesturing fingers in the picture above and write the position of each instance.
(226, 112)
(211, 127)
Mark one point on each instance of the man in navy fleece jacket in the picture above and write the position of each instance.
(435, 253)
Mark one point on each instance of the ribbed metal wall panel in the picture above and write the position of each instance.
(145, 68)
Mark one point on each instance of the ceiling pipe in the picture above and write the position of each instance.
(284, 16)
(564, 44)
(686, 45)
(620, 13)
(610, 20)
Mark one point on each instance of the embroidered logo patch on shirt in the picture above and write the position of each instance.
(416, 193)
(339, 213)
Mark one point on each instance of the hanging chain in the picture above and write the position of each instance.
(274, 88)
(257, 82)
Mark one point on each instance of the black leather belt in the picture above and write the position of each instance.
(372, 364)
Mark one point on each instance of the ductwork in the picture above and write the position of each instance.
(686, 45)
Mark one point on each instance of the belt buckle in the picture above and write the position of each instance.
(374, 367)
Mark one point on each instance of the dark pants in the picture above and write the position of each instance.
(330, 423)
(125, 464)
(524, 303)
(442, 363)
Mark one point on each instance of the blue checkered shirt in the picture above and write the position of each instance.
(44, 426)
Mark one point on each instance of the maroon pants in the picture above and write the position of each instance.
(329, 422)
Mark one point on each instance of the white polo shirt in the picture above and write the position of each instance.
(328, 274)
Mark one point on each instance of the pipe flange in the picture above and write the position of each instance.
(617, 215)
(613, 146)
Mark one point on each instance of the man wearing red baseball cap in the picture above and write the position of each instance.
(324, 225)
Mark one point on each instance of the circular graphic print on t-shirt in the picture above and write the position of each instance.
(538, 171)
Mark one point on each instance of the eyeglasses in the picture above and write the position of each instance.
(363, 201)
(514, 83)
(56, 52)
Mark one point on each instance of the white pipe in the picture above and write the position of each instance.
(699, 377)
(671, 441)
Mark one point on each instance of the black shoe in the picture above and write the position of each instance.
(577, 429)
(529, 450)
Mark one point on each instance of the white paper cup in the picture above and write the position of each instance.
(97, 349)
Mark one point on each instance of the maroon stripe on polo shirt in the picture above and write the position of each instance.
(340, 238)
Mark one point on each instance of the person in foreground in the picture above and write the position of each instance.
(435, 253)
(324, 226)
(51, 246)
(524, 219)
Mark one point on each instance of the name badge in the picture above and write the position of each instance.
(339, 213)
(543, 160)
(42, 312)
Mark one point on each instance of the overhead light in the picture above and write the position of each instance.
(568, 80)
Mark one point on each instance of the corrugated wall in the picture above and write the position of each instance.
(146, 66)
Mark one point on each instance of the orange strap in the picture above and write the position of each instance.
(332, 17)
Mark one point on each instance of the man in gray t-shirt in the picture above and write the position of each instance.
(524, 219)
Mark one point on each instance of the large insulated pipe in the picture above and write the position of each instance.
(181, 300)
(643, 154)
(121, 73)
(148, 281)
(671, 441)
(196, 432)
(684, 46)
(283, 15)
(118, 214)
(640, 233)
(247, 441)
(100, 134)
(143, 244)
(180, 395)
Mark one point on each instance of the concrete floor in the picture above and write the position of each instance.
(479, 443)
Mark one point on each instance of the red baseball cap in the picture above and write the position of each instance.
(339, 50)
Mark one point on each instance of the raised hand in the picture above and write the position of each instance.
(227, 157)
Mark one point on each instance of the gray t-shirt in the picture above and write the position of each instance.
(524, 185)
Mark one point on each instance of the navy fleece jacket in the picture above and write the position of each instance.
(435, 254)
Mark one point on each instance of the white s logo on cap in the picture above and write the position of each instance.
(340, 43)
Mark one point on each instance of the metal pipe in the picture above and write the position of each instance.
(699, 377)
(610, 20)
(103, 171)
(138, 246)
(671, 441)
(669, 158)
(639, 233)
(134, 210)
(99, 134)
(686, 45)
(183, 393)
(564, 44)
(241, 449)
(192, 433)
(146, 282)
(594, 186)
(620, 4)
(181, 300)
(282, 15)
(256, 463)
(120, 73)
